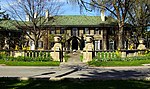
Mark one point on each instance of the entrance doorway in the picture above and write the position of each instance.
(74, 44)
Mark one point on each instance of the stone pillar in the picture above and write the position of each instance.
(88, 49)
(56, 49)
(141, 46)
(6, 46)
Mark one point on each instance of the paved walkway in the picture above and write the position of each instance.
(74, 60)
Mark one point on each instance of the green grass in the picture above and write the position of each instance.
(119, 63)
(6, 83)
(22, 63)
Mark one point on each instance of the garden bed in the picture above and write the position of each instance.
(23, 63)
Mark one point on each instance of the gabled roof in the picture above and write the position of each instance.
(80, 20)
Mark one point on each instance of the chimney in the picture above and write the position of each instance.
(35, 14)
(27, 18)
(102, 14)
(46, 15)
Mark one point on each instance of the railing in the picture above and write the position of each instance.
(111, 54)
(107, 54)
(29, 53)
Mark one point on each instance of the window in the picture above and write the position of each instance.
(52, 30)
(31, 43)
(98, 44)
(97, 31)
(111, 45)
(125, 44)
(87, 31)
(40, 44)
(112, 32)
(62, 30)
(75, 31)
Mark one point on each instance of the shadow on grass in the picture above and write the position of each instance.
(8, 83)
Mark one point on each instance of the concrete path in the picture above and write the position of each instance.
(57, 73)
(74, 60)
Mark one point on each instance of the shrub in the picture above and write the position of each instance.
(66, 57)
(2, 55)
(116, 56)
(27, 59)
(81, 58)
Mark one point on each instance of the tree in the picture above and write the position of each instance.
(3, 15)
(34, 11)
(117, 8)
(139, 16)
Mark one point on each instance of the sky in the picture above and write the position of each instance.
(67, 9)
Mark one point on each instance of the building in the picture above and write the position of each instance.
(10, 35)
(73, 30)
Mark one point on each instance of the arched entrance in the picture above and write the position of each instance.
(74, 44)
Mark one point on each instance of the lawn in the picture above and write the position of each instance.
(6, 83)
(22, 63)
(119, 63)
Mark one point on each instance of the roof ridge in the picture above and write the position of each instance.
(78, 15)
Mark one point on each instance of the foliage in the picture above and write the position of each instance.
(34, 10)
(104, 59)
(42, 57)
(107, 56)
(2, 55)
(26, 59)
(139, 15)
(81, 58)
(66, 57)
(116, 8)
(42, 60)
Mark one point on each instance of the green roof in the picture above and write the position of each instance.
(68, 20)
(80, 20)
(8, 25)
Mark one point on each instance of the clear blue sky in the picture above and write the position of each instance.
(67, 9)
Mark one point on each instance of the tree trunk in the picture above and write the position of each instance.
(36, 44)
(120, 40)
